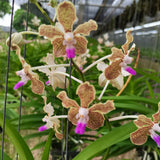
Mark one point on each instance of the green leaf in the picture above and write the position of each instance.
(39, 145)
(149, 75)
(131, 98)
(5, 156)
(134, 107)
(150, 89)
(18, 142)
(34, 135)
(45, 155)
(106, 141)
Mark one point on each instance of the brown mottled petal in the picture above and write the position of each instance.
(113, 70)
(81, 44)
(86, 28)
(59, 135)
(143, 121)
(67, 102)
(116, 54)
(129, 39)
(49, 31)
(18, 52)
(56, 125)
(156, 116)
(96, 120)
(66, 15)
(86, 93)
(37, 86)
(139, 137)
(72, 115)
(103, 108)
(59, 49)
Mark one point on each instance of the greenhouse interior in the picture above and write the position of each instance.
(80, 79)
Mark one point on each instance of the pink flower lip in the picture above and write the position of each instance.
(70, 52)
(156, 138)
(42, 128)
(80, 128)
(130, 70)
(47, 82)
(19, 84)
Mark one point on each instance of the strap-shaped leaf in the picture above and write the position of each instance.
(46, 151)
(16, 139)
(106, 141)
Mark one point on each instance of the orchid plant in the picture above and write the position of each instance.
(72, 44)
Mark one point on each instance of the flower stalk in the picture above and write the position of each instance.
(43, 12)
(78, 69)
(99, 98)
(94, 63)
(68, 75)
(49, 66)
(123, 117)
(29, 32)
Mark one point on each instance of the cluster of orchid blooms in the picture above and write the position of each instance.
(68, 43)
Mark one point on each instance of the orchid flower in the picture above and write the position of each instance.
(64, 40)
(100, 40)
(146, 127)
(82, 116)
(55, 79)
(35, 21)
(51, 121)
(117, 82)
(120, 59)
(26, 74)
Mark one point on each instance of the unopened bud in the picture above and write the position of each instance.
(52, 3)
(16, 39)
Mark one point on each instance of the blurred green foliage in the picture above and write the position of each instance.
(5, 7)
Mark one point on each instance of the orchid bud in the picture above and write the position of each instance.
(16, 39)
(52, 3)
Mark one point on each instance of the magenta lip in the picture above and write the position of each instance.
(80, 128)
(70, 52)
(42, 128)
(130, 70)
(47, 82)
(19, 84)
(156, 138)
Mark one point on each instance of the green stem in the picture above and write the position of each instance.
(157, 151)
(110, 129)
(78, 69)
(108, 123)
(106, 154)
(29, 32)
(43, 12)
